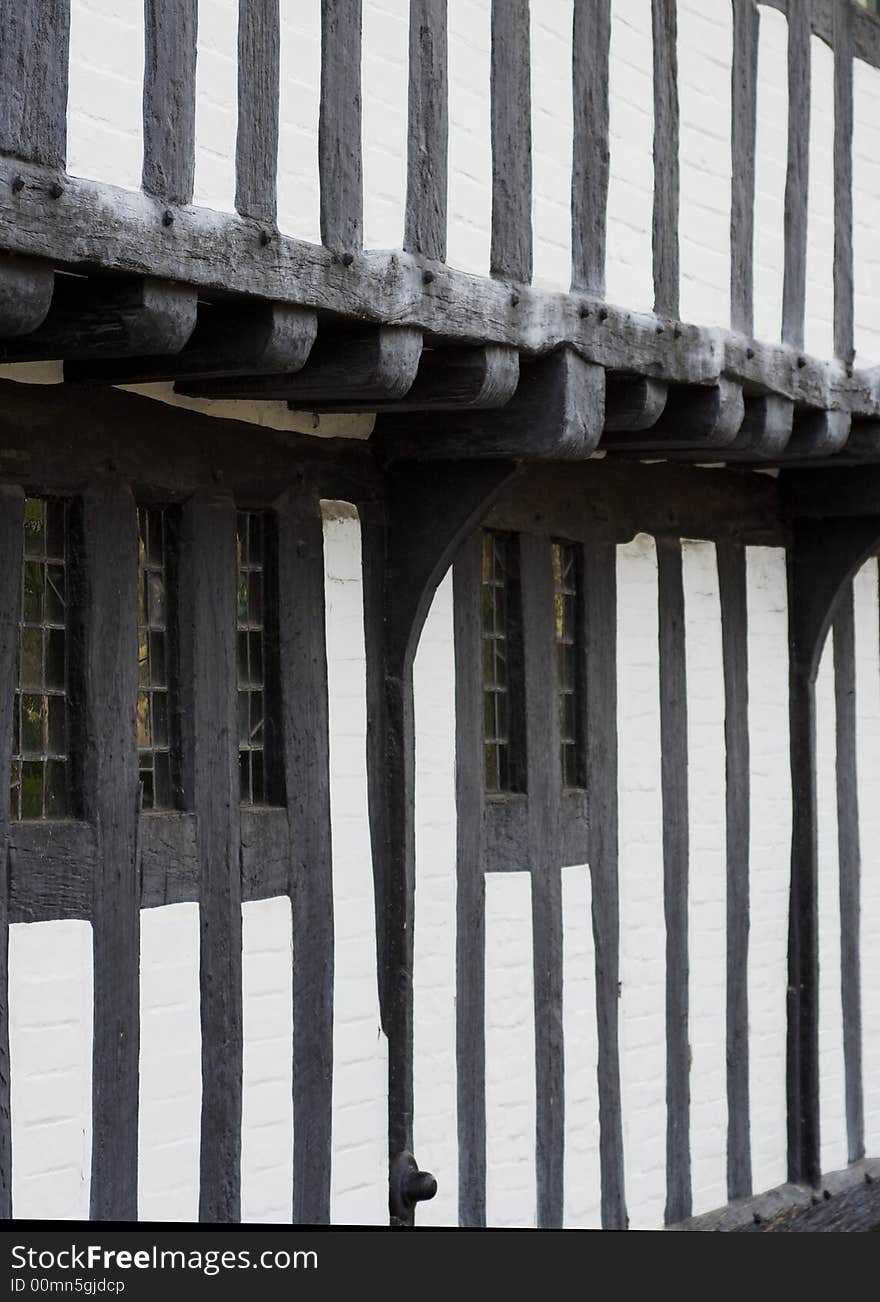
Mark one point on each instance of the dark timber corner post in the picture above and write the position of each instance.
(409, 541)
(823, 556)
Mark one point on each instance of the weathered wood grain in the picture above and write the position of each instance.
(26, 287)
(817, 433)
(170, 99)
(590, 150)
(766, 428)
(427, 142)
(265, 853)
(33, 80)
(794, 278)
(339, 127)
(842, 18)
(704, 418)
(744, 88)
(632, 402)
(256, 150)
(169, 859)
(664, 27)
(511, 116)
(53, 868)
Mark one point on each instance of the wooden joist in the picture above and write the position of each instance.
(229, 339)
(25, 295)
(766, 428)
(361, 368)
(109, 318)
(706, 418)
(633, 402)
(557, 412)
(818, 433)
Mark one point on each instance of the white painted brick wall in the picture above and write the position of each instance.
(359, 1181)
(866, 212)
(50, 1052)
(552, 131)
(705, 52)
(385, 87)
(642, 929)
(707, 887)
(770, 856)
(299, 198)
(771, 154)
(470, 155)
(434, 1053)
(511, 1188)
(105, 96)
(868, 762)
(267, 1082)
(582, 1207)
(819, 307)
(628, 261)
(170, 1104)
(216, 104)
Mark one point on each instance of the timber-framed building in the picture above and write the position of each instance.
(440, 641)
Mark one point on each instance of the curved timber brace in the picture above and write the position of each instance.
(823, 557)
(409, 541)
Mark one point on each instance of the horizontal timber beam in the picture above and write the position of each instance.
(25, 295)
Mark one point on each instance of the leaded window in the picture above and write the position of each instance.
(154, 720)
(566, 583)
(502, 665)
(252, 542)
(40, 786)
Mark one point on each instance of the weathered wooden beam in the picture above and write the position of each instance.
(256, 151)
(817, 433)
(744, 87)
(25, 294)
(229, 339)
(109, 318)
(590, 157)
(794, 278)
(34, 55)
(339, 127)
(842, 19)
(170, 99)
(361, 368)
(766, 428)
(511, 253)
(633, 402)
(664, 27)
(557, 411)
(863, 443)
(700, 419)
(427, 148)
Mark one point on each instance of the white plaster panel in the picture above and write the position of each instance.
(866, 212)
(552, 135)
(707, 886)
(359, 1178)
(216, 105)
(867, 656)
(629, 273)
(642, 929)
(819, 306)
(299, 192)
(769, 859)
(582, 1203)
(832, 1096)
(170, 1092)
(267, 1078)
(470, 150)
(434, 1053)
(705, 52)
(385, 87)
(105, 138)
(771, 156)
(51, 1015)
(511, 1181)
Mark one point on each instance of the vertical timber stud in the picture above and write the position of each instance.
(600, 645)
(427, 145)
(34, 55)
(107, 614)
(734, 631)
(511, 254)
(674, 779)
(339, 127)
(744, 91)
(589, 176)
(849, 862)
(170, 99)
(544, 786)
(11, 517)
(797, 175)
(256, 151)
(664, 26)
(307, 780)
(208, 575)
(841, 17)
(470, 975)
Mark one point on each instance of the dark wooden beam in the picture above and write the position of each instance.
(590, 159)
(558, 411)
(256, 151)
(427, 156)
(34, 55)
(744, 87)
(229, 339)
(633, 402)
(817, 433)
(25, 295)
(109, 318)
(704, 419)
(664, 27)
(349, 372)
(797, 174)
(766, 428)
(170, 99)
(339, 127)
(511, 254)
(842, 19)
